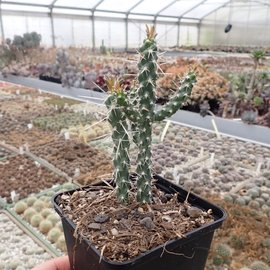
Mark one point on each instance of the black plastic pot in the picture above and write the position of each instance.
(50, 79)
(188, 253)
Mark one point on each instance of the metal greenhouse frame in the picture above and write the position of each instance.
(195, 12)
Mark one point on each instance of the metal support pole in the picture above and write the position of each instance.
(178, 33)
(247, 27)
(126, 25)
(52, 22)
(1, 22)
(267, 25)
(93, 25)
(52, 29)
(199, 34)
(93, 33)
(155, 22)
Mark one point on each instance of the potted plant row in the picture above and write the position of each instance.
(138, 220)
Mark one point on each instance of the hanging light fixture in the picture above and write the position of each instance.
(229, 25)
(228, 28)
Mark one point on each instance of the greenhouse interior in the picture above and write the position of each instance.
(135, 134)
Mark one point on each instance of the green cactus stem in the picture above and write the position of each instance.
(120, 138)
(146, 116)
(146, 98)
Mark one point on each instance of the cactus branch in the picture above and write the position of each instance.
(177, 101)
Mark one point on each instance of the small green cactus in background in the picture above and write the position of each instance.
(223, 255)
(238, 241)
(266, 257)
(258, 265)
(61, 243)
(36, 220)
(136, 109)
(266, 242)
(54, 234)
(46, 212)
(38, 205)
(45, 226)
(224, 251)
(53, 218)
(103, 49)
(28, 213)
(20, 207)
(217, 260)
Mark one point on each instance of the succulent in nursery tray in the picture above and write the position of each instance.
(210, 85)
(90, 80)
(69, 74)
(135, 111)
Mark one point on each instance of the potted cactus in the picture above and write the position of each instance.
(138, 221)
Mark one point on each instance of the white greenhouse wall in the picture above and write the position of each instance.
(135, 34)
(113, 34)
(18, 25)
(72, 32)
(250, 27)
(167, 35)
(188, 35)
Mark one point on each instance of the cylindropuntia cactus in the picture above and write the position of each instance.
(136, 109)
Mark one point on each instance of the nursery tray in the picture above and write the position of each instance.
(34, 231)
(23, 176)
(72, 157)
(19, 246)
(4, 154)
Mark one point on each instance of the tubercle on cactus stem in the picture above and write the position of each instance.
(137, 107)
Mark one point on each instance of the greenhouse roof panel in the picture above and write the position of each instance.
(119, 5)
(30, 2)
(84, 4)
(151, 6)
(72, 11)
(170, 9)
(179, 7)
(206, 8)
(24, 8)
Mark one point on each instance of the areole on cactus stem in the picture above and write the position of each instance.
(135, 110)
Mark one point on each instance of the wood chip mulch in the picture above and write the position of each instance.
(122, 232)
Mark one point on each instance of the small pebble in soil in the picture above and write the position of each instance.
(148, 223)
(101, 218)
(194, 212)
(167, 218)
(94, 226)
(114, 232)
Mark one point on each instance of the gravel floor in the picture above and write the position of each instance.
(17, 250)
